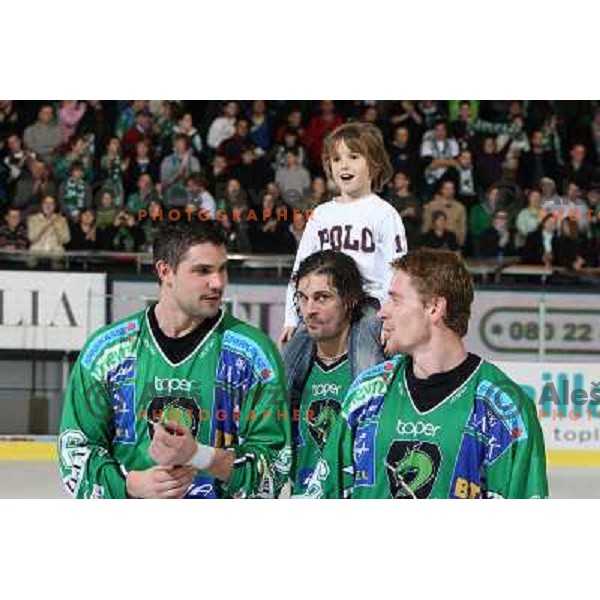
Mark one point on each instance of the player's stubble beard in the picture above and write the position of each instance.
(200, 309)
(326, 339)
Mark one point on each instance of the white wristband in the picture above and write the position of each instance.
(203, 457)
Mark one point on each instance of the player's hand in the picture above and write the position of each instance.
(160, 482)
(172, 444)
(286, 336)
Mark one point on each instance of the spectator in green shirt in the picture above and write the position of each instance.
(480, 218)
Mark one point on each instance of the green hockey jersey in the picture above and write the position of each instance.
(320, 407)
(230, 392)
(482, 441)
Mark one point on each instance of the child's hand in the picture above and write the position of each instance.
(285, 337)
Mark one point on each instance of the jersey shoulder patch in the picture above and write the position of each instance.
(383, 370)
(253, 345)
(109, 335)
(500, 412)
(505, 396)
(367, 392)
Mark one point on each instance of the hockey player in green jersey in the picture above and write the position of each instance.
(329, 296)
(437, 421)
(181, 374)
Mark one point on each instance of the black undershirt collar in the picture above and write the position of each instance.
(178, 349)
(428, 393)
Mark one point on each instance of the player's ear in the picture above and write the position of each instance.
(438, 308)
(162, 270)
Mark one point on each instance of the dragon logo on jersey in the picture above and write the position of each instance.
(412, 467)
(183, 411)
(321, 420)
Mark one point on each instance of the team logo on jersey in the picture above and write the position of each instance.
(412, 468)
(322, 419)
(183, 411)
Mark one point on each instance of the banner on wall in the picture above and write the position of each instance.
(567, 401)
(50, 311)
(507, 325)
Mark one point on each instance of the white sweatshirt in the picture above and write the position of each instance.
(369, 230)
(221, 129)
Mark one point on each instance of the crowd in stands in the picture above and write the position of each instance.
(484, 178)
